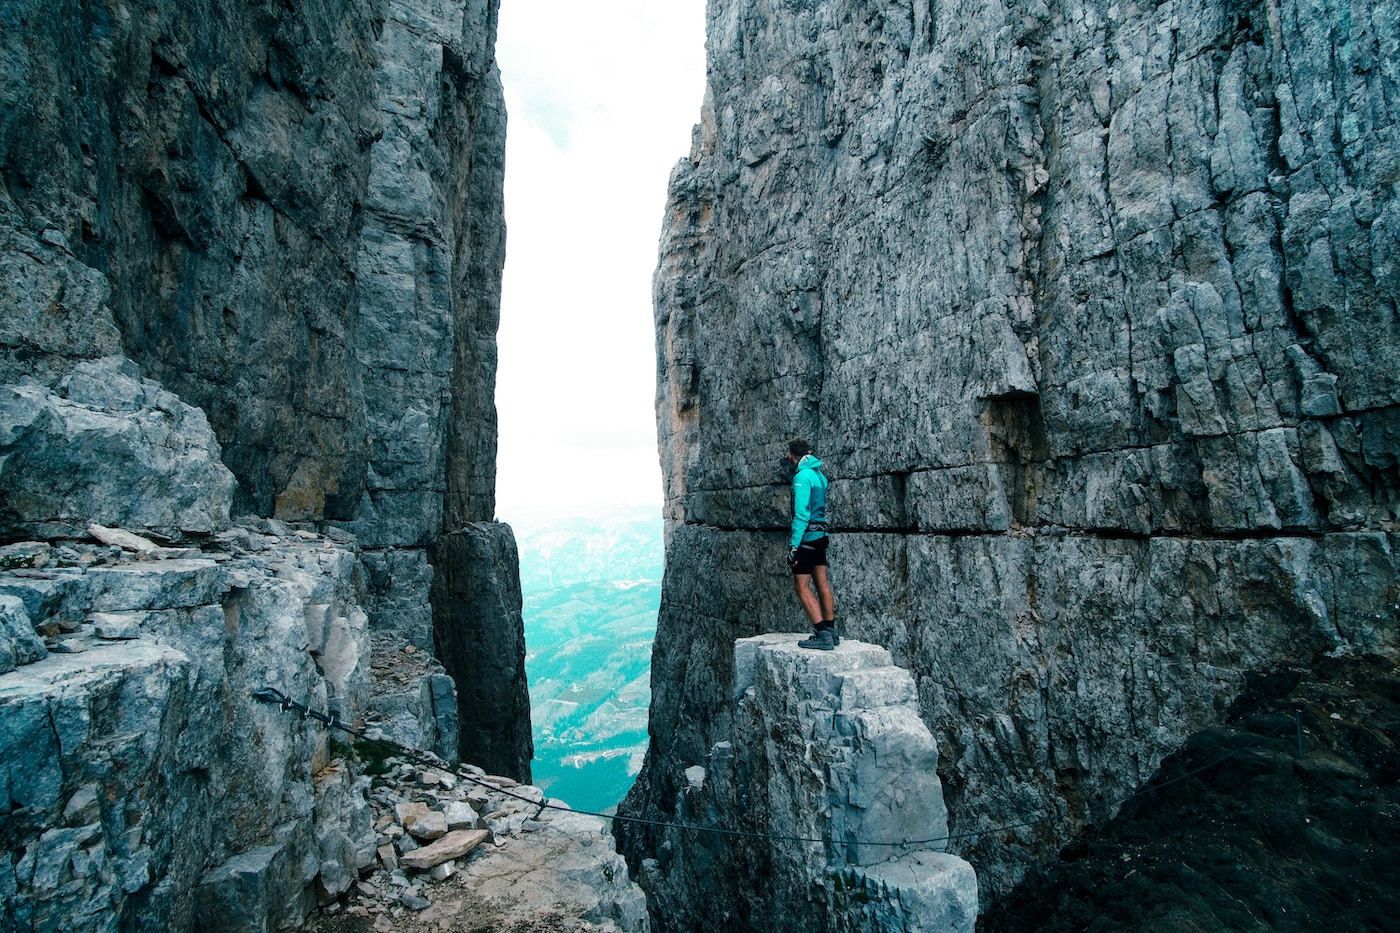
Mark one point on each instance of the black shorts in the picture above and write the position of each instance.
(810, 555)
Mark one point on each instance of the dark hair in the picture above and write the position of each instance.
(799, 447)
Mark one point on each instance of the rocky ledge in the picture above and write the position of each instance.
(473, 851)
(829, 796)
(142, 785)
(142, 782)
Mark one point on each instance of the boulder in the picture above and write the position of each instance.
(108, 449)
(18, 642)
(238, 896)
(421, 822)
(116, 626)
(122, 539)
(432, 825)
(460, 815)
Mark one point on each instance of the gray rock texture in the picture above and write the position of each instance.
(289, 215)
(412, 701)
(142, 786)
(494, 859)
(1091, 308)
(399, 583)
(112, 448)
(480, 637)
(831, 776)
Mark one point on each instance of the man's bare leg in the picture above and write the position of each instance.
(802, 582)
(824, 595)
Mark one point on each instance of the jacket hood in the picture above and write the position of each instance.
(809, 462)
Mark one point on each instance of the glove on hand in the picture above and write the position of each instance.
(792, 557)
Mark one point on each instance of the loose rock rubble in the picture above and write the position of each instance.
(472, 851)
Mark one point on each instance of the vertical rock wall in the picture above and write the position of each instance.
(1091, 309)
(291, 216)
(207, 162)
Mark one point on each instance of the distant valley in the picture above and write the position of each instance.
(592, 589)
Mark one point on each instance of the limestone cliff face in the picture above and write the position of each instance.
(1091, 308)
(287, 216)
(290, 216)
(821, 810)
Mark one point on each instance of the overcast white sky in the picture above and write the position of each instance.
(601, 98)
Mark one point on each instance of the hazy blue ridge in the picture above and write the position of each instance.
(592, 589)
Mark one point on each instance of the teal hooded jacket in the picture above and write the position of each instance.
(808, 501)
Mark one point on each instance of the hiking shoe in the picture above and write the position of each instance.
(825, 640)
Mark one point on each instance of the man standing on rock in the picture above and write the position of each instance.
(806, 553)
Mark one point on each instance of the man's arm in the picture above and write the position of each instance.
(801, 510)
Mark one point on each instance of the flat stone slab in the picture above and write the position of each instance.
(454, 845)
(844, 659)
(939, 889)
(119, 537)
(70, 674)
(171, 584)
